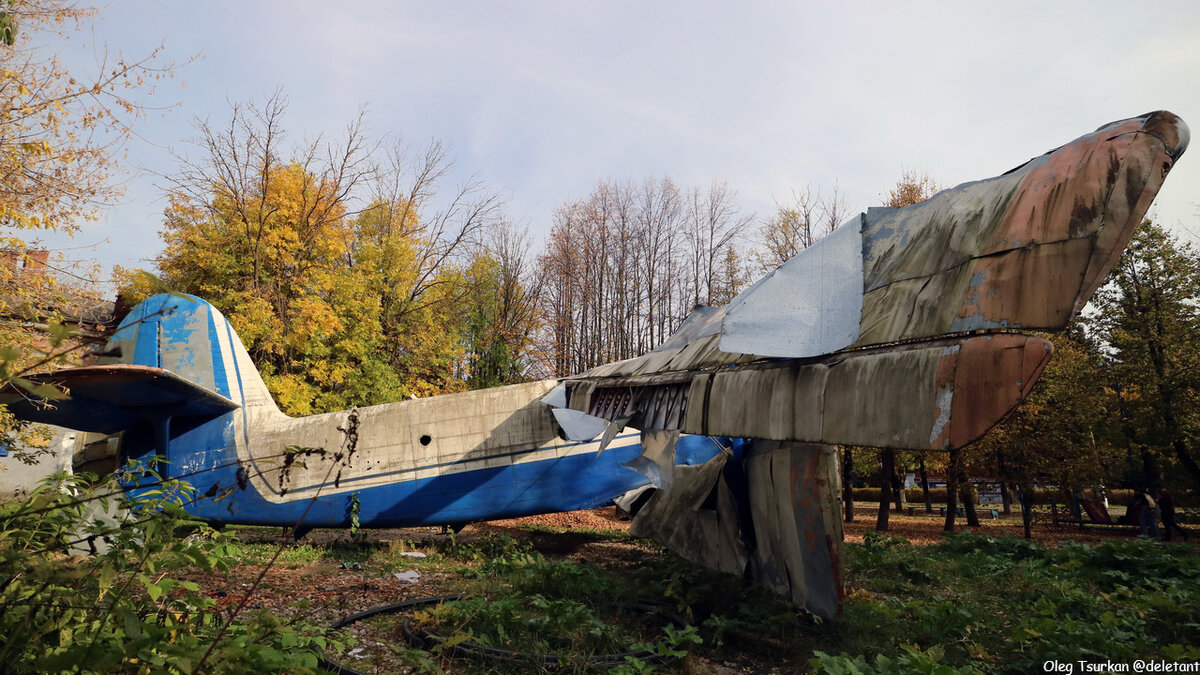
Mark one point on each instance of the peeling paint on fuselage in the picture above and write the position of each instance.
(450, 459)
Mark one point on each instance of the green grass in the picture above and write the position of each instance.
(970, 604)
(1006, 605)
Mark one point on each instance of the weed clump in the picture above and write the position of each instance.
(1006, 605)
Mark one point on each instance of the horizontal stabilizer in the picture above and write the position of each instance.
(108, 399)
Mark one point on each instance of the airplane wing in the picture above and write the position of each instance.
(108, 399)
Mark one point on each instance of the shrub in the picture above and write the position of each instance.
(127, 608)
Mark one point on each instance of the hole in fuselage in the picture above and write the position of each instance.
(426, 439)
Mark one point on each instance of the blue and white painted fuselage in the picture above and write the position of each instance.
(188, 393)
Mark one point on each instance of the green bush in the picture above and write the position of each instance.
(128, 608)
(1002, 604)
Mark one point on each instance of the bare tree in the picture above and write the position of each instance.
(624, 267)
(448, 227)
(797, 225)
(236, 178)
(713, 220)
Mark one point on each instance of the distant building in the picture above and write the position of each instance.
(32, 295)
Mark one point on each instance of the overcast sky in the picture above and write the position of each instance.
(545, 99)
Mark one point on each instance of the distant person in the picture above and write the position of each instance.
(1166, 507)
(1146, 508)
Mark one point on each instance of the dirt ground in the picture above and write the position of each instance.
(926, 529)
(332, 590)
(921, 529)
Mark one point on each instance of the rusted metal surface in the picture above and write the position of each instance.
(1025, 250)
(1021, 251)
(935, 395)
(772, 517)
(795, 504)
(897, 331)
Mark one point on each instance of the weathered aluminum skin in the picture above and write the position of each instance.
(886, 334)
(811, 305)
(443, 460)
(1025, 250)
(1021, 251)
(766, 511)
(930, 395)
(896, 332)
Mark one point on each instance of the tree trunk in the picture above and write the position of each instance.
(1150, 472)
(968, 497)
(951, 491)
(887, 459)
(847, 484)
(1027, 511)
(925, 487)
(1005, 498)
(898, 494)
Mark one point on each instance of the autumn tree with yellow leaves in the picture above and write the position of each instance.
(351, 278)
(61, 130)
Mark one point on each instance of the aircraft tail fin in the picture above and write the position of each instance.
(192, 339)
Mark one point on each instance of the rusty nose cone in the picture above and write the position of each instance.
(1170, 129)
(992, 376)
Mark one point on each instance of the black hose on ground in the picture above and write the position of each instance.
(423, 639)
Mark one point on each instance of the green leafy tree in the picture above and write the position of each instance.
(502, 312)
(1149, 316)
(265, 240)
(129, 606)
(1064, 434)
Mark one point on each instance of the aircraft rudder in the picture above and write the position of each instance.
(191, 338)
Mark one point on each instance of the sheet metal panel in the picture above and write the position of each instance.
(883, 400)
(795, 504)
(697, 518)
(992, 375)
(809, 306)
(1025, 250)
(926, 396)
(702, 322)
(107, 399)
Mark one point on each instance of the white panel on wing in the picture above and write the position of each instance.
(809, 306)
(557, 398)
(579, 426)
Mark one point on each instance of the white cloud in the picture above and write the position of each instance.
(548, 98)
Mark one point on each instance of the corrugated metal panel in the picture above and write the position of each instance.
(882, 400)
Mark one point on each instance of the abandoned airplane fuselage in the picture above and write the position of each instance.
(905, 328)
(194, 399)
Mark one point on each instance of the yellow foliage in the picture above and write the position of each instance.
(51, 175)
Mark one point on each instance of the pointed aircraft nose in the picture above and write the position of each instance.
(1070, 218)
(1170, 129)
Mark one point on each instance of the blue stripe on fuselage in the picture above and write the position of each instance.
(580, 481)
